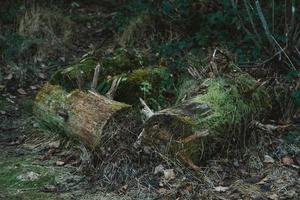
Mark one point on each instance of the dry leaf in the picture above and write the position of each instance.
(8, 77)
(221, 189)
(42, 76)
(33, 87)
(169, 174)
(21, 91)
(55, 144)
(162, 190)
(273, 197)
(268, 159)
(159, 169)
(59, 163)
(287, 160)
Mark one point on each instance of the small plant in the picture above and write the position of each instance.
(145, 87)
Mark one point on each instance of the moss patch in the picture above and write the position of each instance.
(13, 187)
(233, 101)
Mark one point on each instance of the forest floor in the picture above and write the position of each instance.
(38, 166)
(35, 166)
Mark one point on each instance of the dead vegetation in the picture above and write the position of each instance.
(50, 26)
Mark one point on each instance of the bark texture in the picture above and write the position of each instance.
(80, 115)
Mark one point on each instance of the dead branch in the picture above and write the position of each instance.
(113, 89)
(95, 78)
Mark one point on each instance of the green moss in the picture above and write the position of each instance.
(232, 102)
(50, 100)
(81, 71)
(157, 79)
(14, 188)
(118, 105)
(116, 63)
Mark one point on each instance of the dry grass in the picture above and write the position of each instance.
(137, 30)
(50, 26)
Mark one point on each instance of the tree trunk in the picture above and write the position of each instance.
(85, 116)
(213, 121)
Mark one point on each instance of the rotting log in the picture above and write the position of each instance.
(85, 116)
(212, 121)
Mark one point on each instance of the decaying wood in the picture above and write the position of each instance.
(95, 78)
(80, 115)
(215, 116)
(113, 89)
(196, 128)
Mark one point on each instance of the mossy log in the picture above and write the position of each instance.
(81, 115)
(217, 117)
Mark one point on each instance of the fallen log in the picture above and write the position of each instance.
(86, 116)
(214, 120)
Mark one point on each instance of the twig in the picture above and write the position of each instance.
(194, 136)
(284, 53)
(95, 78)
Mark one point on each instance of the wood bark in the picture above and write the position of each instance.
(80, 115)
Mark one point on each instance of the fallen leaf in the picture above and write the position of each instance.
(29, 176)
(2, 112)
(268, 159)
(21, 91)
(159, 169)
(55, 144)
(33, 87)
(42, 76)
(169, 174)
(273, 197)
(287, 160)
(59, 163)
(8, 77)
(162, 190)
(50, 188)
(221, 189)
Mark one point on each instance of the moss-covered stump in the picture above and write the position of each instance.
(81, 115)
(214, 120)
(149, 83)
